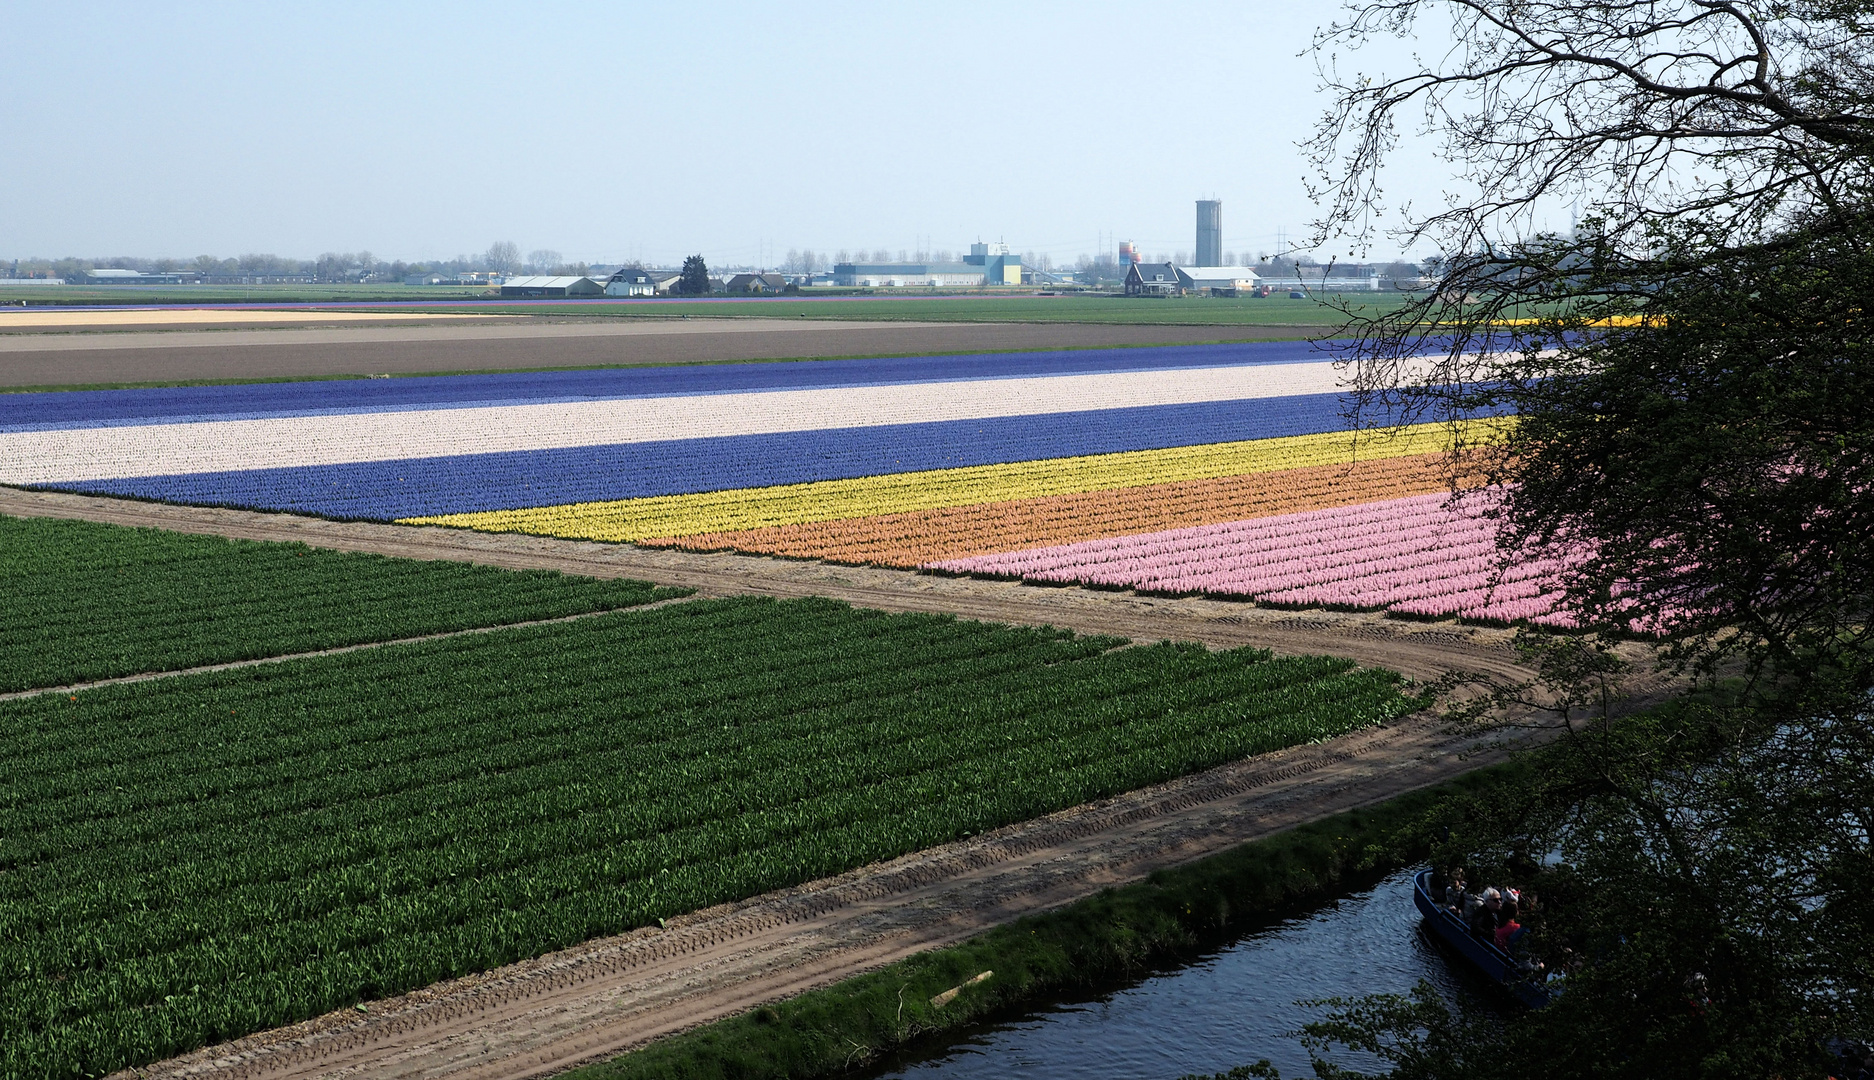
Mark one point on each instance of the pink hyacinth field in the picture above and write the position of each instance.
(1427, 555)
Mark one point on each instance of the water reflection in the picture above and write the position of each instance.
(1225, 1008)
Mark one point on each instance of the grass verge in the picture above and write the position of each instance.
(1118, 933)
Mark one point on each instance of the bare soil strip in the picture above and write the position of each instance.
(608, 996)
(88, 359)
(146, 676)
(498, 328)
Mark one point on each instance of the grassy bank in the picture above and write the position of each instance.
(1117, 933)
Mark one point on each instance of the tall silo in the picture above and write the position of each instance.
(1209, 232)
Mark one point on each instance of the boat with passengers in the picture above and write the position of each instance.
(1495, 964)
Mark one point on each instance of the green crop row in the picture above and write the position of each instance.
(191, 859)
(85, 601)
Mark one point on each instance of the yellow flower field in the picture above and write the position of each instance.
(627, 520)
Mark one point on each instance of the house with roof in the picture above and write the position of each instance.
(1153, 279)
(631, 281)
(1166, 279)
(756, 283)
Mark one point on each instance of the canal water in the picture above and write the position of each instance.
(1226, 1007)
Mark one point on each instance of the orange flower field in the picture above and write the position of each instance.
(916, 538)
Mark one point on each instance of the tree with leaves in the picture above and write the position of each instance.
(1693, 370)
(694, 278)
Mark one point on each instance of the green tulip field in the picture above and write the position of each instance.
(83, 601)
(193, 858)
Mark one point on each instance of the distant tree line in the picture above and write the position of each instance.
(332, 266)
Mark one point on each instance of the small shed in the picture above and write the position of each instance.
(542, 286)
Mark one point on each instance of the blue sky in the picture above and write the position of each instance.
(615, 131)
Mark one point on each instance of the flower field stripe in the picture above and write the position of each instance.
(145, 405)
(470, 483)
(85, 454)
(912, 539)
(1423, 555)
(797, 504)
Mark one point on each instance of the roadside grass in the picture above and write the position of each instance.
(1117, 934)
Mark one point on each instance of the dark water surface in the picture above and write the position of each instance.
(1226, 1007)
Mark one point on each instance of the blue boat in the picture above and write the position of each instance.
(1494, 963)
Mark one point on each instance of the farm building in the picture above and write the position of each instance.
(541, 285)
(757, 283)
(1147, 279)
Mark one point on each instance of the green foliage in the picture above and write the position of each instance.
(85, 601)
(197, 857)
(1720, 455)
(694, 280)
(1695, 436)
(1115, 934)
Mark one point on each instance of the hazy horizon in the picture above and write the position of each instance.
(622, 134)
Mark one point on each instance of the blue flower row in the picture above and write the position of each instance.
(418, 487)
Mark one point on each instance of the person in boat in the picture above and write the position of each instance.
(1455, 894)
(1510, 930)
(1483, 918)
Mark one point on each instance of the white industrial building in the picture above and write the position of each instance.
(543, 285)
(986, 264)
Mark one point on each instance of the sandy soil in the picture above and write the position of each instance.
(607, 996)
(66, 359)
(69, 318)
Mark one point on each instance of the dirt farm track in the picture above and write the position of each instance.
(129, 353)
(607, 996)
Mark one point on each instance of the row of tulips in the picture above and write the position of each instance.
(1428, 555)
(927, 536)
